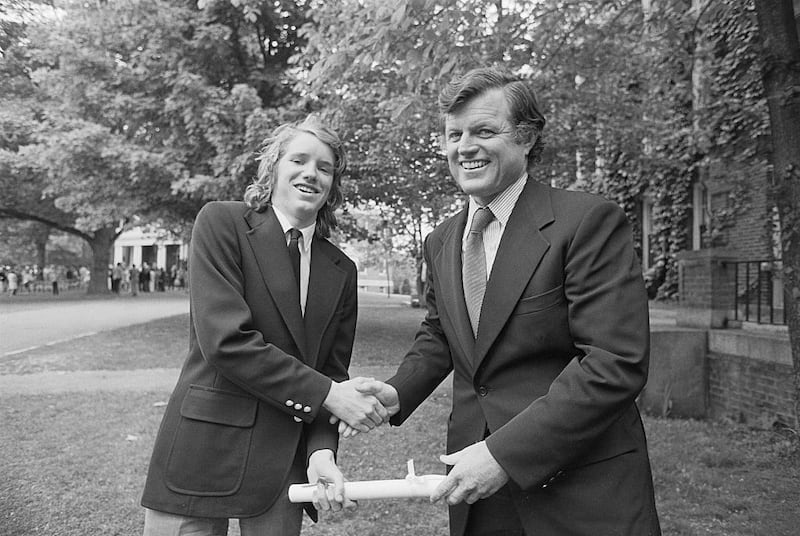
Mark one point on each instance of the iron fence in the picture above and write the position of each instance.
(758, 293)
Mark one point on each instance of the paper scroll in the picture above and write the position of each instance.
(412, 486)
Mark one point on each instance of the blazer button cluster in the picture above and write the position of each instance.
(297, 406)
(483, 390)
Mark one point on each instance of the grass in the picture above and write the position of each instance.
(74, 464)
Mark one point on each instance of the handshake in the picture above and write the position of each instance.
(361, 404)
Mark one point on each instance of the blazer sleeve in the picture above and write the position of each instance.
(223, 322)
(608, 320)
(429, 361)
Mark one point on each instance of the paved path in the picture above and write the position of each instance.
(25, 326)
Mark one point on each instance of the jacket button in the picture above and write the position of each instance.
(483, 390)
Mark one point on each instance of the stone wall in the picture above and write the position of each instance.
(738, 374)
(750, 377)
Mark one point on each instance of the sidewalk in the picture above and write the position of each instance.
(25, 325)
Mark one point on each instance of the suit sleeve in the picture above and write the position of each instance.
(223, 322)
(608, 320)
(428, 362)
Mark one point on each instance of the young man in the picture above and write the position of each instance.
(273, 315)
(536, 303)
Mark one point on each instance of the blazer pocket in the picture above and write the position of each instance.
(540, 302)
(211, 445)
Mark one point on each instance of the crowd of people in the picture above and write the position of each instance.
(21, 279)
(147, 278)
(18, 279)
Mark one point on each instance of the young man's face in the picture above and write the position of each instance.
(482, 154)
(303, 179)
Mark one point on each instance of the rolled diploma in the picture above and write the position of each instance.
(411, 487)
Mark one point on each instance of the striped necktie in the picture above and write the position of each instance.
(474, 267)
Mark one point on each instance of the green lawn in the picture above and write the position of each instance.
(74, 464)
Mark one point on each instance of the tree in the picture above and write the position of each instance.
(137, 110)
(777, 25)
(63, 167)
(378, 69)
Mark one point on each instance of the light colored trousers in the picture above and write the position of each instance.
(283, 519)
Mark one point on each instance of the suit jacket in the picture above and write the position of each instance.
(255, 367)
(560, 356)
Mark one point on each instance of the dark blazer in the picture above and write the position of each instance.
(255, 367)
(561, 354)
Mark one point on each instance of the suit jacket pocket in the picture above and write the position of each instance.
(212, 441)
(540, 302)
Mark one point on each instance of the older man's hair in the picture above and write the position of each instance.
(523, 105)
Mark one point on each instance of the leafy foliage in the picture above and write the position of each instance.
(121, 111)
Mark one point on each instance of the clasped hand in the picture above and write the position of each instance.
(370, 389)
(475, 475)
(355, 404)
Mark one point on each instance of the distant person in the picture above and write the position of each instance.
(52, 277)
(134, 278)
(116, 278)
(273, 316)
(537, 305)
(27, 279)
(12, 282)
(144, 278)
(181, 277)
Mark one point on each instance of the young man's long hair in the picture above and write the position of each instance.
(259, 194)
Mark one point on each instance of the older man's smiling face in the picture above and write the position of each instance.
(482, 153)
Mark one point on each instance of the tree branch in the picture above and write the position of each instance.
(11, 213)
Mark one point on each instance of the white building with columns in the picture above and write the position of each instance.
(156, 248)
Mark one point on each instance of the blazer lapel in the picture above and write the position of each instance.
(521, 248)
(451, 289)
(269, 248)
(325, 285)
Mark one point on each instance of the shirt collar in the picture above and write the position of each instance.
(307, 232)
(502, 205)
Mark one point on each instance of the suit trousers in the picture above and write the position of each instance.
(495, 515)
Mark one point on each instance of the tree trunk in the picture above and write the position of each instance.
(41, 235)
(781, 75)
(101, 243)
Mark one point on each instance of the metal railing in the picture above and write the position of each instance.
(758, 295)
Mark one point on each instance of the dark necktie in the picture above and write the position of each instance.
(474, 266)
(294, 255)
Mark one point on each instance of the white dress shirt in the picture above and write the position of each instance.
(501, 206)
(304, 244)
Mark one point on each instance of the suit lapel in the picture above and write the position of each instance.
(325, 285)
(269, 248)
(521, 248)
(451, 289)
